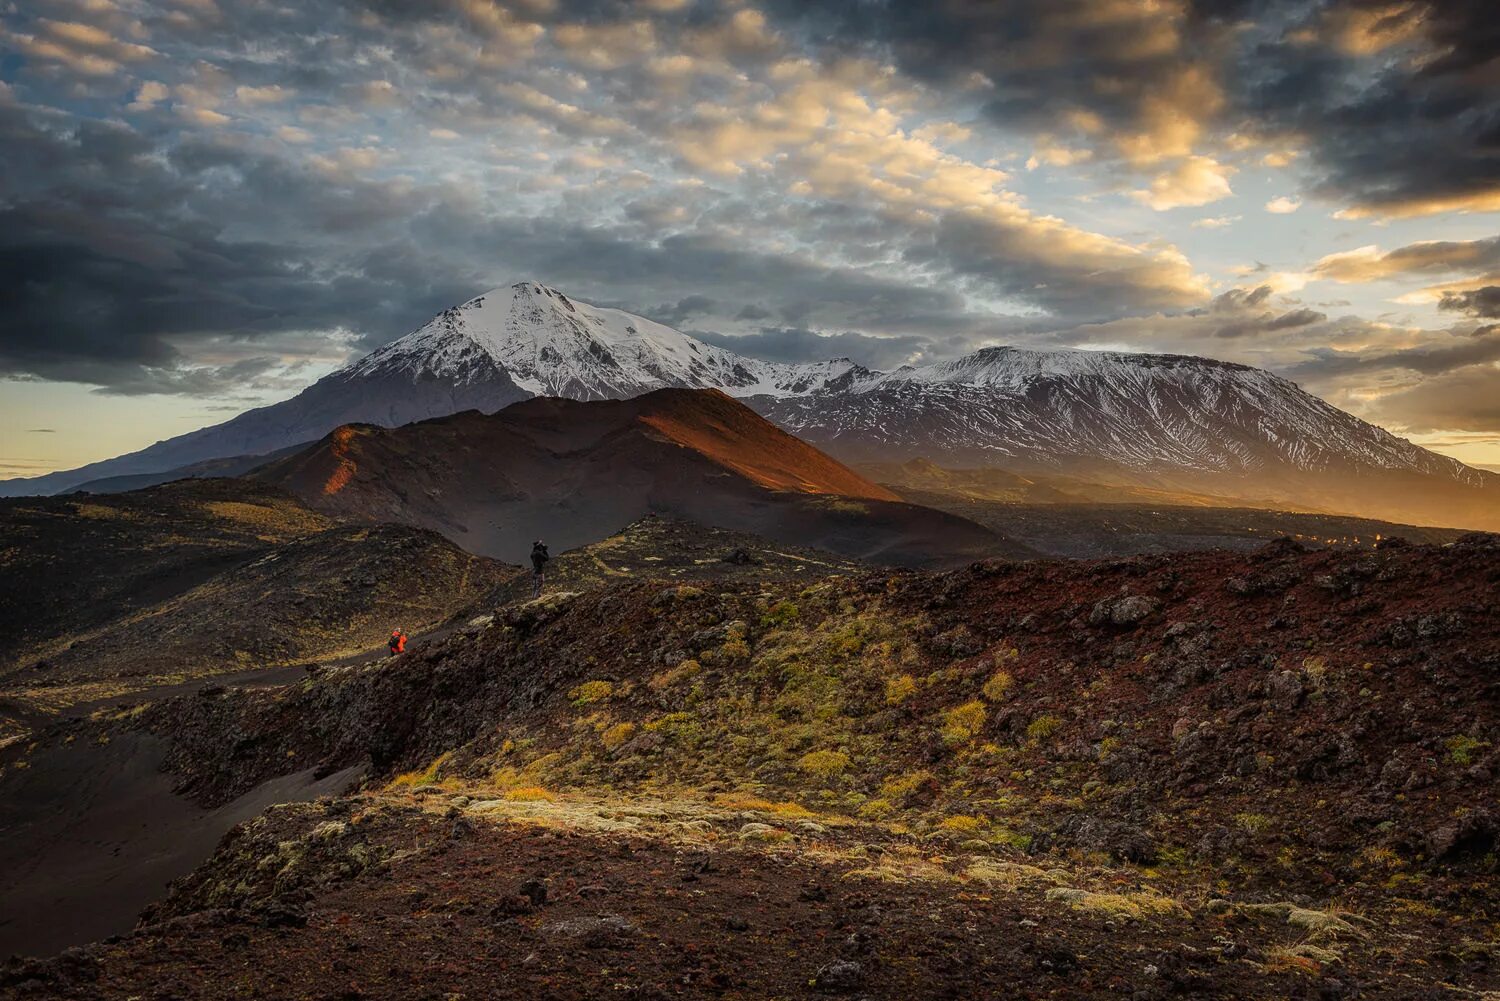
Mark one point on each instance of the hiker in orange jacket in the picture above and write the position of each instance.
(398, 641)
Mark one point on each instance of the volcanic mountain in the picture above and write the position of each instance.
(1157, 422)
(575, 472)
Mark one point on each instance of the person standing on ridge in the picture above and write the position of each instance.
(398, 641)
(539, 558)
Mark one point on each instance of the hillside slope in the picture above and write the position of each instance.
(1210, 775)
(210, 577)
(574, 473)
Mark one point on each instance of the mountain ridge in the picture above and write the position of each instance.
(1161, 421)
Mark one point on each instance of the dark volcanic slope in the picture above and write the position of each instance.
(574, 473)
(71, 564)
(1214, 775)
(670, 549)
(1089, 531)
(211, 576)
(1334, 682)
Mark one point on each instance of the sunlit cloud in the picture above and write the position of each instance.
(897, 180)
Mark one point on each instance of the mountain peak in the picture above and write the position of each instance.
(1205, 426)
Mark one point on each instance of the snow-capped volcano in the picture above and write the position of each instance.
(1167, 421)
(551, 345)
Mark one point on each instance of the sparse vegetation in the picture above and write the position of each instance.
(528, 794)
(1043, 727)
(824, 764)
(962, 724)
(998, 685)
(617, 735)
(425, 776)
(590, 692)
(675, 676)
(1252, 823)
(1461, 749)
(900, 688)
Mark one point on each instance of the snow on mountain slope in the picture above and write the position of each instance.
(551, 345)
(1166, 420)
(1047, 410)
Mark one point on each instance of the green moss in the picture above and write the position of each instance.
(1043, 727)
(1252, 823)
(900, 688)
(591, 691)
(997, 686)
(1461, 749)
(824, 764)
(962, 823)
(962, 724)
(780, 614)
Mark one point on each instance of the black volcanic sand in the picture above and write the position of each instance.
(91, 833)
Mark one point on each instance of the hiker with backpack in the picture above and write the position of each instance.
(539, 558)
(398, 641)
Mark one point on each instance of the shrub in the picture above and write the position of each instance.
(999, 684)
(962, 724)
(731, 650)
(876, 808)
(1043, 727)
(1461, 749)
(1252, 823)
(780, 614)
(674, 675)
(961, 822)
(427, 776)
(900, 688)
(529, 794)
(898, 787)
(824, 764)
(591, 691)
(675, 726)
(617, 735)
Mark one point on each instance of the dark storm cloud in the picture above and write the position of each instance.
(1460, 350)
(1039, 58)
(113, 262)
(106, 270)
(1463, 400)
(1483, 302)
(1240, 313)
(1419, 135)
(682, 311)
(1296, 318)
(1388, 133)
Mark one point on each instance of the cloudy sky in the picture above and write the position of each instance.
(206, 204)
